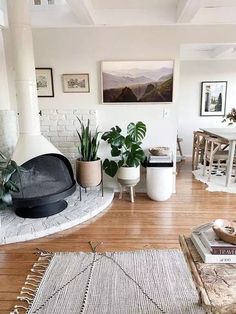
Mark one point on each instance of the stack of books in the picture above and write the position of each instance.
(210, 247)
(161, 159)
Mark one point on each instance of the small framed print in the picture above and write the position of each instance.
(76, 83)
(213, 98)
(44, 80)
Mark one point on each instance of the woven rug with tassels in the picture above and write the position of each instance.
(147, 281)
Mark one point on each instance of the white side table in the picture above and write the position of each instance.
(159, 180)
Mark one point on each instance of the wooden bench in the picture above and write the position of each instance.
(216, 283)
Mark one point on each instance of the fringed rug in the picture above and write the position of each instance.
(217, 181)
(150, 281)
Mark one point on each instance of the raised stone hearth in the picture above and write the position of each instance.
(16, 229)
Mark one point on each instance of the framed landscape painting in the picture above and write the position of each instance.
(75, 83)
(137, 81)
(44, 82)
(213, 98)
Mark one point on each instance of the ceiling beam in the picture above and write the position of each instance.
(187, 9)
(221, 51)
(83, 10)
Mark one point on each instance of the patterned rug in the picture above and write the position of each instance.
(150, 281)
(217, 181)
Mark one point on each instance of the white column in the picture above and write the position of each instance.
(4, 90)
(27, 100)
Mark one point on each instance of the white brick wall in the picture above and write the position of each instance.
(59, 127)
(8, 131)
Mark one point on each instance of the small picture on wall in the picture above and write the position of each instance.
(75, 83)
(44, 82)
(137, 81)
(213, 98)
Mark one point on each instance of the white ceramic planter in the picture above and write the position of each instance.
(128, 175)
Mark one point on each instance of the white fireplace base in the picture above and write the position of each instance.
(16, 229)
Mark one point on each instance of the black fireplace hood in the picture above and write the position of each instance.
(43, 184)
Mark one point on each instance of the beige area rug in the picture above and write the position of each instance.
(217, 181)
(150, 281)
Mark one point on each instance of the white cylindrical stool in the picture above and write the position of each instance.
(159, 180)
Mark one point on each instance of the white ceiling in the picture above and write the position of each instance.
(97, 13)
(77, 13)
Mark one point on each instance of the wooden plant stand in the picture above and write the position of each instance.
(216, 283)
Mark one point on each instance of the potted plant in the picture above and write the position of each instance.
(88, 166)
(127, 149)
(230, 117)
(7, 168)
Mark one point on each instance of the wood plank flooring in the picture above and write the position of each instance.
(124, 226)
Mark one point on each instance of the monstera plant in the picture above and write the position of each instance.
(126, 149)
(7, 168)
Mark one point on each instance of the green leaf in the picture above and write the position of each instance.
(110, 167)
(14, 164)
(11, 186)
(88, 143)
(128, 141)
(3, 156)
(2, 205)
(114, 137)
(115, 151)
(135, 156)
(137, 131)
(121, 163)
(7, 173)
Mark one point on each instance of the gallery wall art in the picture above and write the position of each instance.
(213, 98)
(44, 80)
(75, 83)
(137, 81)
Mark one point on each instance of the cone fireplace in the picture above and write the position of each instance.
(47, 176)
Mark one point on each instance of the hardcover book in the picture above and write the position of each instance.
(206, 254)
(212, 242)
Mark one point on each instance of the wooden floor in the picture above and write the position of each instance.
(124, 226)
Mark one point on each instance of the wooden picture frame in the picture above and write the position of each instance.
(44, 81)
(213, 98)
(76, 83)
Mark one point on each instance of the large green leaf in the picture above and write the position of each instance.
(110, 167)
(114, 137)
(135, 156)
(115, 151)
(137, 131)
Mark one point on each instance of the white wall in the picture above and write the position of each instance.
(82, 50)
(192, 73)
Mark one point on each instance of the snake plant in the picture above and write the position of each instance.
(89, 143)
